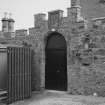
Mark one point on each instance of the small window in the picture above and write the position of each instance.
(95, 26)
(81, 27)
(85, 64)
(73, 30)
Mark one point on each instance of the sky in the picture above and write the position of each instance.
(23, 10)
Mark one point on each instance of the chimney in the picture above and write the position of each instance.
(10, 23)
(5, 23)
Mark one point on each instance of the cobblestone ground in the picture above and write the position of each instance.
(49, 97)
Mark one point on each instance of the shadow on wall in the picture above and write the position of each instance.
(35, 72)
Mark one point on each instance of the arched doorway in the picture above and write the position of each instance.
(56, 62)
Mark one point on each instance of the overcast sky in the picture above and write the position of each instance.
(23, 10)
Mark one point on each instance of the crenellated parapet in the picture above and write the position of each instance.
(38, 19)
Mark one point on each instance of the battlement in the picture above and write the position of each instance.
(38, 18)
(60, 12)
(21, 32)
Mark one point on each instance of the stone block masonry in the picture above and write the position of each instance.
(85, 50)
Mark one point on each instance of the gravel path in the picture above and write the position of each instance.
(49, 97)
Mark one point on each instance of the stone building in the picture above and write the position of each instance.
(68, 52)
(21, 33)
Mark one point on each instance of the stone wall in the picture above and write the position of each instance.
(85, 65)
(88, 69)
(92, 8)
(40, 34)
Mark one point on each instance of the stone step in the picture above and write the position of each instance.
(3, 96)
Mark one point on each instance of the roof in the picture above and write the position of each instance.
(11, 20)
(4, 19)
(8, 19)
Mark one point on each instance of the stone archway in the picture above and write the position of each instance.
(56, 62)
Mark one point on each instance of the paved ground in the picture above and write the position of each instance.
(50, 97)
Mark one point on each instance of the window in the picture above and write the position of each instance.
(73, 30)
(81, 27)
(95, 26)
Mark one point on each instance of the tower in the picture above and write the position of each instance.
(75, 11)
(5, 23)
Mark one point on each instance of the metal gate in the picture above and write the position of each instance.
(19, 73)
